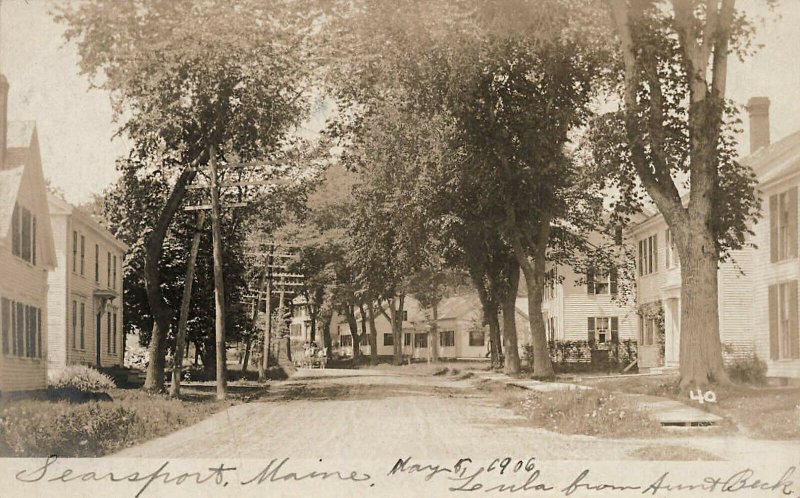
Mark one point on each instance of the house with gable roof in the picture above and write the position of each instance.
(85, 303)
(27, 255)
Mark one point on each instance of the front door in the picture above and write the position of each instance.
(649, 344)
(97, 339)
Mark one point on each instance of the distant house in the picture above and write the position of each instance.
(577, 308)
(758, 298)
(300, 322)
(461, 332)
(26, 256)
(85, 296)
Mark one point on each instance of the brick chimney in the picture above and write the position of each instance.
(3, 120)
(758, 109)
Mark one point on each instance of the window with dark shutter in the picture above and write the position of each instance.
(792, 329)
(16, 236)
(26, 234)
(590, 336)
(74, 251)
(83, 323)
(783, 225)
(74, 324)
(773, 322)
(590, 281)
(33, 242)
(39, 350)
(83, 255)
(614, 329)
(791, 223)
(388, 340)
(5, 310)
(20, 336)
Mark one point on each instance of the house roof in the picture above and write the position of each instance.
(58, 206)
(10, 180)
(457, 307)
(774, 161)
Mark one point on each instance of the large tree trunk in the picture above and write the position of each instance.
(180, 339)
(509, 307)
(373, 334)
(313, 333)
(397, 327)
(326, 335)
(248, 343)
(434, 339)
(162, 314)
(489, 308)
(700, 346)
(352, 324)
(364, 332)
(494, 337)
(534, 272)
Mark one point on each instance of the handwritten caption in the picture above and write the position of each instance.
(495, 476)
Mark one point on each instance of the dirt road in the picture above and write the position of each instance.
(350, 414)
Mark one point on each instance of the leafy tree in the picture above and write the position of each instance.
(675, 124)
(184, 91)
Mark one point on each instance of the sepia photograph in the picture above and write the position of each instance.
(399, 248)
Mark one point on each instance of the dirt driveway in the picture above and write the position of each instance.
(348, 414)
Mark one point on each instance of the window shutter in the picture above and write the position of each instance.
(590, 336)
(794, 338)
(590, 281)
(792, 228)
(6, 317)
(33, 242)
(655, 253)
(16, 239)
(39, 331)
(641, 258)
(614, 329)
(773, 228)
(773, 321)
(613, 275)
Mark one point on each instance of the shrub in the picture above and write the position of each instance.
(83, 379)
(748, 370)
(42, 429)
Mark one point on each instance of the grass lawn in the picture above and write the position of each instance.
(759, 412)
(37, 428)
(594, 412)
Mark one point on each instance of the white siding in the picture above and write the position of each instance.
(766, 274)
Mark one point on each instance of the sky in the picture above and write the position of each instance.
(75, 123)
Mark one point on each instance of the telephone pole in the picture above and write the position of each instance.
(219, 282)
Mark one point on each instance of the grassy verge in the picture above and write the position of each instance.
(38, 428)
(593, 412)
(760, 412)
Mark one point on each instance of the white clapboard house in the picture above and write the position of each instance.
(85, 296)
(26, 256)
